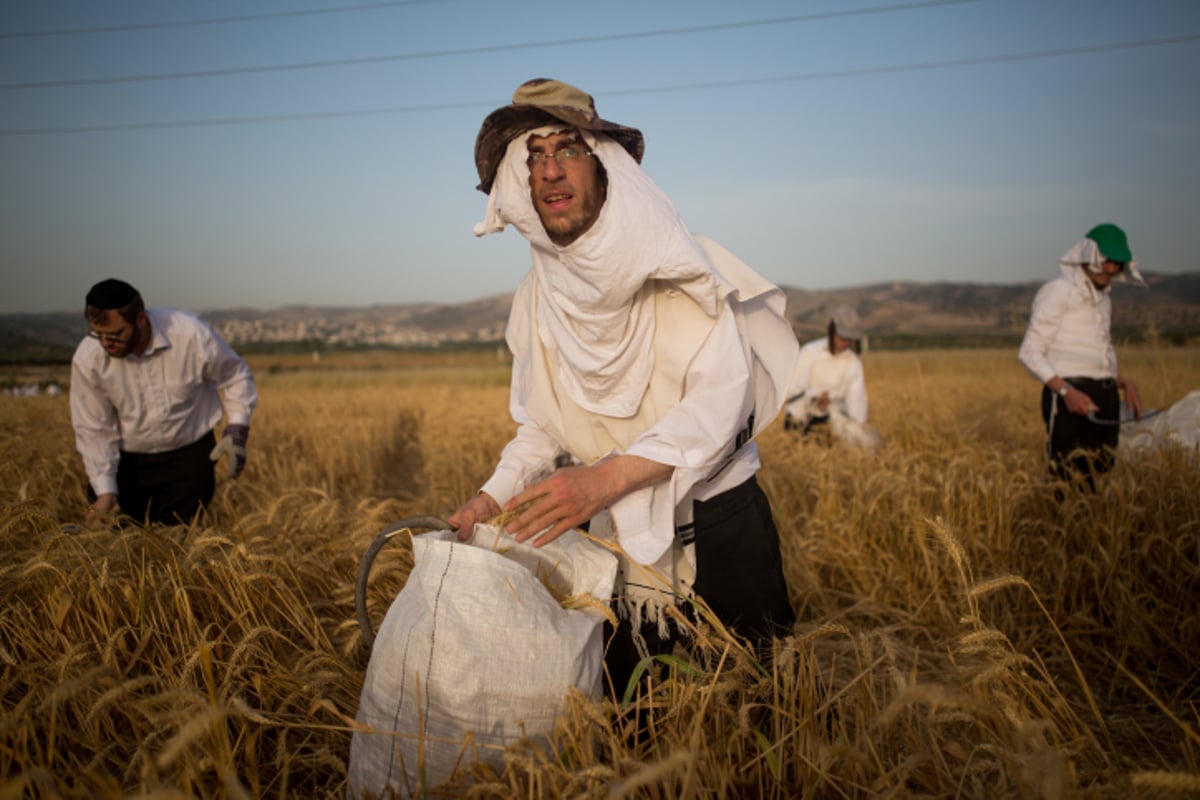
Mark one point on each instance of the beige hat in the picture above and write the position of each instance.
(846, 323)
(536, 103)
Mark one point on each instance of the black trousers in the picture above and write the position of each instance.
(168, 487)
(739, 574)
(790, 423)
(1079, 447)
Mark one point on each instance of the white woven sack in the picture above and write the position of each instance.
(474, 654)
(853, 432)
(1178, 425)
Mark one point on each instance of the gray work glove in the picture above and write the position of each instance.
(233, 444)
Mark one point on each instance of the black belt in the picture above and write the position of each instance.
(1094, 383)
(149, 459)
(729, 496)
(738, 494)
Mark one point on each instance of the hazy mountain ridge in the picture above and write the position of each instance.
(1170, 303)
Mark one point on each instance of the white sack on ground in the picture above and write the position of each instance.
(474, 647)
(1178, 425)
(852, 432)
(843, 428)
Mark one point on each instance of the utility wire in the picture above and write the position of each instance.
(347, 62)
(190, 23)
(691, 87)
(1032, 55)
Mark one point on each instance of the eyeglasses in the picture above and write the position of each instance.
(109, 338)
(564, 156)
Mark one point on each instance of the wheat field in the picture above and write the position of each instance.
(966, 628)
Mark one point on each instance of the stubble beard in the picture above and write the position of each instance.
(563, 229)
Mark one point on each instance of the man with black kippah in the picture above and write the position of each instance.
(146, 393)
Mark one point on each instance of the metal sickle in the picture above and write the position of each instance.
(1093, 418)
(364, 567)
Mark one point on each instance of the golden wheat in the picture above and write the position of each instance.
(966, 628)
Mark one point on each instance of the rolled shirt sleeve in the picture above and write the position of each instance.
(229, 372)
(698, 437)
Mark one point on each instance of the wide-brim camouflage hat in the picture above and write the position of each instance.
(540, 102)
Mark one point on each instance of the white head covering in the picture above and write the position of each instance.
(595, 312)
(591, 312)
(1087, 253)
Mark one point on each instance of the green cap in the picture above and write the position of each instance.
(1112, 242)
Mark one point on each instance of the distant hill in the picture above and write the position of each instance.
(896, 314)
(904, 313)
(39, 338)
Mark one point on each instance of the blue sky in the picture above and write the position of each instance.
(845, 143)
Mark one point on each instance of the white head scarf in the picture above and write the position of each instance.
(1087, 253)
(592, 315)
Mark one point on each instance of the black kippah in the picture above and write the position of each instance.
(111, 294)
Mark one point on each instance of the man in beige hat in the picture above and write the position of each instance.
(829, 376)
(645, 357)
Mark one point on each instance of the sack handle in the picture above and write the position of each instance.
(364, 567)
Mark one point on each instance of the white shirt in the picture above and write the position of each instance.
(696, 435)
(841, 375)
(162, 400)
(591, 351)
(1069, 330)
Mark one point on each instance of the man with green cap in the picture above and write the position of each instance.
(1068, 348)
(147, 387)
(644, 357)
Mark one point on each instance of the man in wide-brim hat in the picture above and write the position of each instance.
(536, 103)
(645, 357)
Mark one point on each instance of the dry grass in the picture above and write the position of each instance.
(963, 632)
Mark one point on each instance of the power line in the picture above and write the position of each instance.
(347, 62)
(189, 23)
(690, 87)
(1033, 55)
(222, 121)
